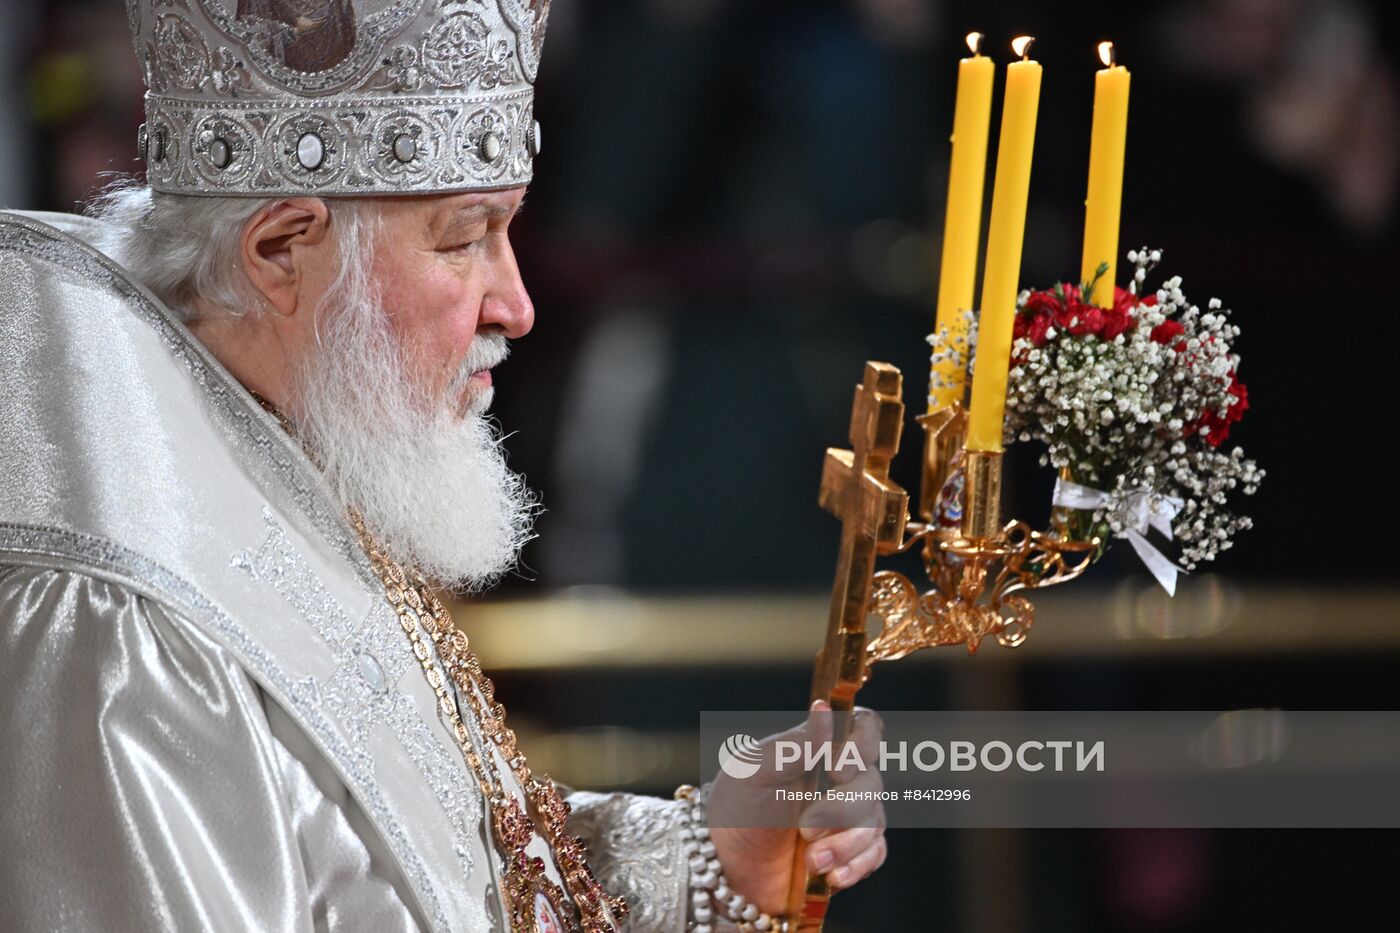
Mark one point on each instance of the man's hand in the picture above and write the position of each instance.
(758, 861)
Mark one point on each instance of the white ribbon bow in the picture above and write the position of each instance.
(1136, 510)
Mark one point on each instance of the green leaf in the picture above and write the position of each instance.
(1087, 289)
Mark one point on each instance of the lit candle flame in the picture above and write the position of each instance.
(1107, 54)
(1021, 45)
(974, 42)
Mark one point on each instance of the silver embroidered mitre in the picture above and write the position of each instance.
(338, 97)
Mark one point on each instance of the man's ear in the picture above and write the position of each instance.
(274, 248)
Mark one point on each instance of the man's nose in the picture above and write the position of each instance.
(508, 304)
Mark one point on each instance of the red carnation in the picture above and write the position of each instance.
(1116, 321)
(1167, 331)
(1087, 320)
(1124, 300)
(1067, 314)
(1033, 326)
(1039, 325)
(1063, 307)
(1217, 428)
(1042, 302)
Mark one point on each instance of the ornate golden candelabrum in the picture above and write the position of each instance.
(978, 566)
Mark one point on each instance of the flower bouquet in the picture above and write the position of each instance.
(1134, 404)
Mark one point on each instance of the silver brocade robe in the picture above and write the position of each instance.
(209, 716)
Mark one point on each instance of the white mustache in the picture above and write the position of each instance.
(487, 351)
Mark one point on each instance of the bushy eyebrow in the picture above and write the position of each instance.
(476, 213)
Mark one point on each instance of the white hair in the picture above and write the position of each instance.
(185, 248)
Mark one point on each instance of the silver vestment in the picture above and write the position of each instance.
(209, 717)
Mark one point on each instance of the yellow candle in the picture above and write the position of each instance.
(962, 223)
(1103, 207)
(1002, 274)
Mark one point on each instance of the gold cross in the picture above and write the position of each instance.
(856, 488)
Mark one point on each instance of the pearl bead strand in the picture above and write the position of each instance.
(710, 893)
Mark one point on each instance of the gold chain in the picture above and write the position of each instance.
(416, 604)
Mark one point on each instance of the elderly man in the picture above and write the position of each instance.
(243, 443)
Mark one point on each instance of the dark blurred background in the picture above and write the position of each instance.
(739, 203)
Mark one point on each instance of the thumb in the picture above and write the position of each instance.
(816, 728)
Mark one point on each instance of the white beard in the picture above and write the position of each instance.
(426, 472)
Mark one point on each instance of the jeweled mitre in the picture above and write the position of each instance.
(338, 97)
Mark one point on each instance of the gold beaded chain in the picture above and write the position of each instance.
(587, 907)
